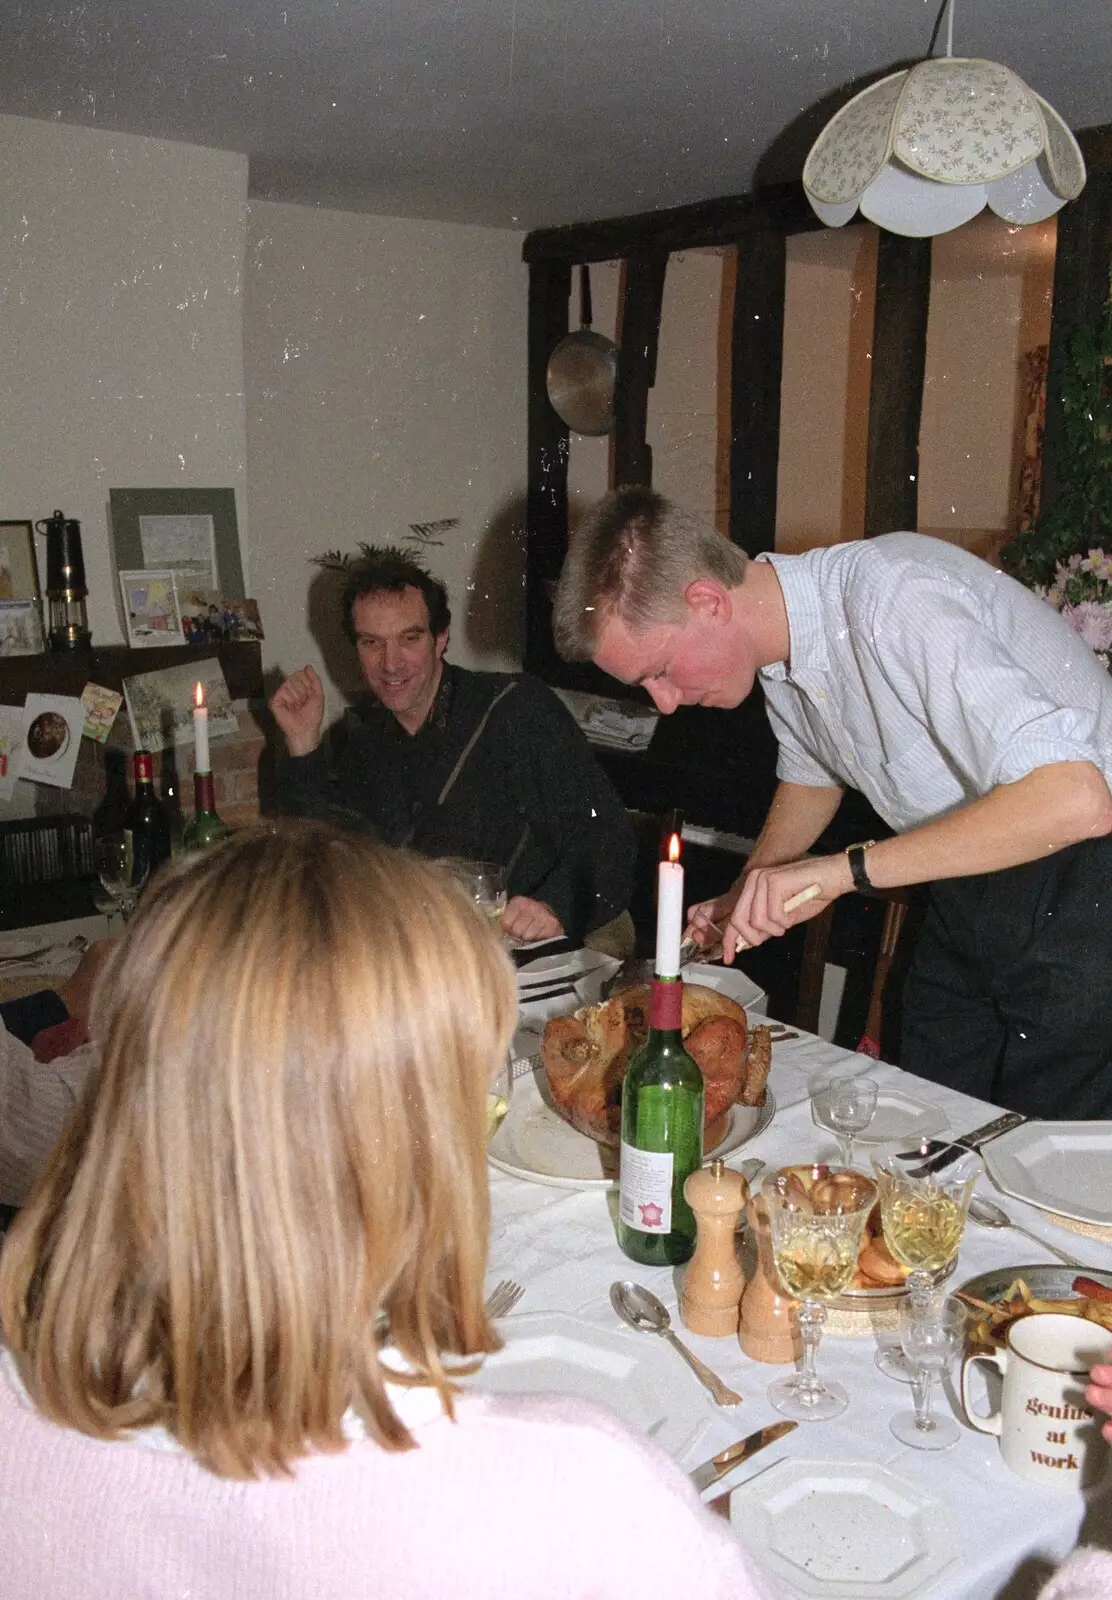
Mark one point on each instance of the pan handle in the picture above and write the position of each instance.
(584, 296)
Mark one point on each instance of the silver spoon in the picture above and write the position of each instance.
(643, 1311)
(990, 1215)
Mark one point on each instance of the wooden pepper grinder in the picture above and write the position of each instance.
(713, 1282)
(767, 1327)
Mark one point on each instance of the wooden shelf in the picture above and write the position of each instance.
(68, 671)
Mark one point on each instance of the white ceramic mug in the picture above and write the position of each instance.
(1047, 1432)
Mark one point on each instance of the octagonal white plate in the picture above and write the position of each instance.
(1057, 1166)
(845, 1528)
(638, 1379)
(535, 1142)
(898, 1116)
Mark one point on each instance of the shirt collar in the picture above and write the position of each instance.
(808, 653)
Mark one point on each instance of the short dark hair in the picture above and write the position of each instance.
(387, 569)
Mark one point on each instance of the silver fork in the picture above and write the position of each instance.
(503, 1297)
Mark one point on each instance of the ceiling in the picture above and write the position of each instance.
(512, 113)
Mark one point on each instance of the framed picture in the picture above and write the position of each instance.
(160, 704)
(151, 612)
(208, 619)
(21, 628)
(190, 532)
(19, 577)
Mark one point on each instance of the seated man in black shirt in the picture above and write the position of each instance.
(482, 765)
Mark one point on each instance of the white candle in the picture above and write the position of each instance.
(201, 730)
(669, 912)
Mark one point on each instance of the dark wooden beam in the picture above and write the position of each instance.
(1081, 265)
(708, 222)
(903, 289)
(756, 364)
(67, 672)
(547, 461)
(638, 340)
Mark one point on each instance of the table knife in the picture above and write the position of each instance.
(940, 1154)
(726, 1460)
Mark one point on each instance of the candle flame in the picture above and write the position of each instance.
(199, 695)
(674, 847)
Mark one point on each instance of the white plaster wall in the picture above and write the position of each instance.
(386, 365)
(120, 328)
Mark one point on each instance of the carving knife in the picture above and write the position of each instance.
(940, 1152)
(726, 1460)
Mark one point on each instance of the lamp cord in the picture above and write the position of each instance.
(945, 10)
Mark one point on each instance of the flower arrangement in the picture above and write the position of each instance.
(1081, 590)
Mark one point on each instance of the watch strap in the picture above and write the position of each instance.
(855, 854)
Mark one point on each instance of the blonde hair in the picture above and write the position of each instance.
(633, 557)
(287, 1134)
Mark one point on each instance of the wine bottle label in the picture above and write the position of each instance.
(645, 1189)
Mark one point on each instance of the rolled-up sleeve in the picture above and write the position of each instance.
(993, 718)
(36, 1101)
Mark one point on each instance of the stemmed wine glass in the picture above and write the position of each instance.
(815, 1253)
(498, 1095)
(924, 1198)
(123, 862)
(846, 1105)
(484, 883)
(931, 1333)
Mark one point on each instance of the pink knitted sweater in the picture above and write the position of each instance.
(526, 1499)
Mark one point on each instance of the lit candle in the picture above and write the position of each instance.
(669, 911)
(201, 729)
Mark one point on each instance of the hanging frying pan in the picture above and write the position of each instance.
(582, 372)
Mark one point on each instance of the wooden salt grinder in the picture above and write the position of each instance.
(766, 1330)
(713, 1282)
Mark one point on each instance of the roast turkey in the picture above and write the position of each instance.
(586, 1055)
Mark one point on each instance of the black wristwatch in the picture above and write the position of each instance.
(855, 854)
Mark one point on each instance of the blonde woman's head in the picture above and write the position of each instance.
(287, 1136)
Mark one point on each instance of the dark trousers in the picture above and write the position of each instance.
(1009, 994)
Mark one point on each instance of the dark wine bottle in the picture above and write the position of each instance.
(206, 826)
(146, 817)
(662, 1138)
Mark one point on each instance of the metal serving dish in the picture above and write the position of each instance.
(886, 1297)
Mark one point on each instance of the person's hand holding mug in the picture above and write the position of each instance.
(1099, 1394)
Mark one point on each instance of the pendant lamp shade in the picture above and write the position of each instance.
(923, 151)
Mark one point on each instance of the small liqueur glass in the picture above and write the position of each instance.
(122, 861)
(931, 1333)
(816, 1235)
(846, 1105)
(924, 1198)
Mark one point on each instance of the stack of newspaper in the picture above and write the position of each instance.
(619, 724)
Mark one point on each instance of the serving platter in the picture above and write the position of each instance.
(536, 1143)
(636, 1378)
(1045, 1283)
(847, 1528)
(1063, 1167)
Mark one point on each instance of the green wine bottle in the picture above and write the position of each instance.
(206, 827)
(662, 1138)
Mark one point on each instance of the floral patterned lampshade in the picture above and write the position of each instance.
(923, 151)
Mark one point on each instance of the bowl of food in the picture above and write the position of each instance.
(48, 736)
(585, 1057)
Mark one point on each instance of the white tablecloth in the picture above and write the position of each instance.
(561, 1245)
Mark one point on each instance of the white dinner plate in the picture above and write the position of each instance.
(898, 1117)
(845, 1528)
(570, 964)
(536, 1143)
(638, 1379)
(1057, 1166)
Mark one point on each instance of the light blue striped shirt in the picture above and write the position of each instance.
(923, 677)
